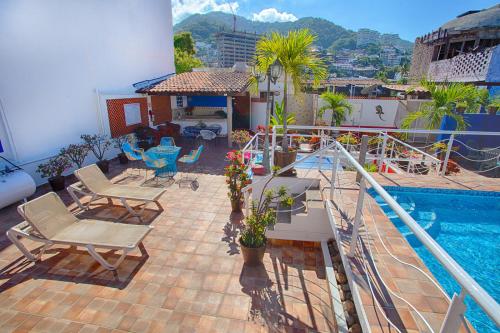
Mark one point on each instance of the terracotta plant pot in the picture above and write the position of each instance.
(282, 159)
(57, 183)
(492, 110)
(103, 165)
(253, 256)
(122, 158)
(236, 206)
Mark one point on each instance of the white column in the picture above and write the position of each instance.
(229, 120)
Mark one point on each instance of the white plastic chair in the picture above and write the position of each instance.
(207, 136)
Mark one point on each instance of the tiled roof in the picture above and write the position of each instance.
(201, 83)
(404, 87)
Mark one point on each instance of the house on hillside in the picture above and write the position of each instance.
(68, 68)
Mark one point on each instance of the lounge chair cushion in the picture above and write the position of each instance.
(93, 178)
(48, 215)
(102, 234)
(132, 192)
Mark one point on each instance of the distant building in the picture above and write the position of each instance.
(389, 56)
(463, 50)
(235, 46)
(367, 36)
(389, 39)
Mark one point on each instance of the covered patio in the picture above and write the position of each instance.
(215, 100)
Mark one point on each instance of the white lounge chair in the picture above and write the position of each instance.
(47, 220)
(98, 186)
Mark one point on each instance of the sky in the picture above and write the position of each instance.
(409, 19)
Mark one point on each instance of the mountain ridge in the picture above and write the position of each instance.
(330, 35)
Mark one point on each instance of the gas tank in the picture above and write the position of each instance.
(15, 186)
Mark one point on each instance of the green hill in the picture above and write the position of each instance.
(204, 26)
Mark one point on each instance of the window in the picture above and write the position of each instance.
(179, 101)
(132, 113)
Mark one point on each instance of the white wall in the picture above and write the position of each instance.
(54, 54)
(258, 114)
(364, 112)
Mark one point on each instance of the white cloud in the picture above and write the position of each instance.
(273, 15)
(183, 8)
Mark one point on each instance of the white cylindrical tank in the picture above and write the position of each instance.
(15, 186)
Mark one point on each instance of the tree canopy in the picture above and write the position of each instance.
(184, 53)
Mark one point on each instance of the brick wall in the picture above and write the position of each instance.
(116, 115)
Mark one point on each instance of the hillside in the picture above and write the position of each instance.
(204, 26)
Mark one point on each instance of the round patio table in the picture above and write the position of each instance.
(170, 153)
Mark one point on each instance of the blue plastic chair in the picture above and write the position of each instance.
(133, 154)
(167, 141)
(190, 161)
(154, 163)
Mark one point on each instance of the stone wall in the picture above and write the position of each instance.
(302, 106)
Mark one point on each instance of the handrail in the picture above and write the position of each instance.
(412, 148)
(256, 136)
(288, 167)
(395, 130)
(489, 305)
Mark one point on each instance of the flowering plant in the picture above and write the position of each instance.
(348, 139)
(54, 167)
(262, 129)
(75, 153)
(236, 178)
(241, 137)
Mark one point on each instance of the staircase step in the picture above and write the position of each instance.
(314, 195)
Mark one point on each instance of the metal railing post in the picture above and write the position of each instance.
(447, 156)
(357, 218)
(382, 153)
(336, 161)
(321, 145)
(362, 155)
(454, 315)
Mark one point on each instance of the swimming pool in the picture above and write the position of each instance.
(467, 225)
(311, 163)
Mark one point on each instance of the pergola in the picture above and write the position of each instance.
(209, 83)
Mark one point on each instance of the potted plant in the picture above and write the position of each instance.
(53, 170)
(76, 153)
(98, 144)
(348, 139)
(460, 107)
(262, 216)
(118, 143)
(287, 156)
(241, 138)
(493, 106)
(236, 179)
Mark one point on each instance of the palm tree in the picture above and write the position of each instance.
(294, 52)
(444, 99)
(339, 106)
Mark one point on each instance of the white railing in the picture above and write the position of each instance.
(440, 165)
(455, 314)
(468, 284)
(416, 156)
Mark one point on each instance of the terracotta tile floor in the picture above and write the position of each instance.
(406, 282)
(191, 277)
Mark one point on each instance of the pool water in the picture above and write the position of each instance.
(467, 225)
(311, 163)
